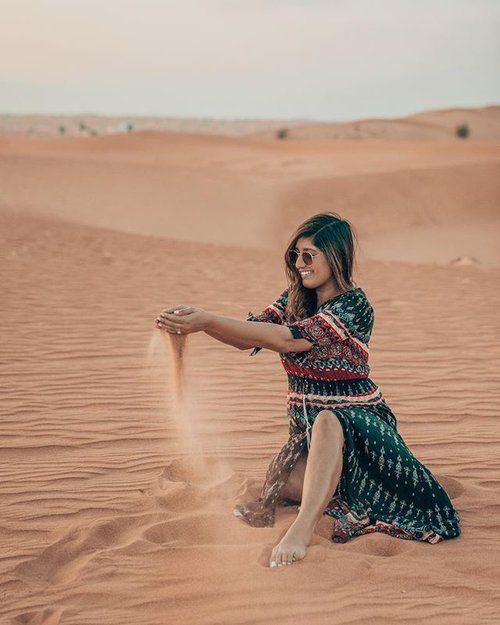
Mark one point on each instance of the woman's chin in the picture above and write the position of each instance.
(310, 287)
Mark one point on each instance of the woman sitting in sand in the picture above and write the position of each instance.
(344, 456)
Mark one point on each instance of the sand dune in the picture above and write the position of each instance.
(257, 189)
(117, 497)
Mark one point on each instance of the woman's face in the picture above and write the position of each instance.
(317, 274)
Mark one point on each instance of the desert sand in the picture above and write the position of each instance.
(118, 478)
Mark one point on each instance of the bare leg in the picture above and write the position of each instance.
(295, 483)
(323, 471)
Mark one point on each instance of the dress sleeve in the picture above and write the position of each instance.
(274, 313)
(345, 320)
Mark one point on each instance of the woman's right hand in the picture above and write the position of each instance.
(195, 319)
(176, 310)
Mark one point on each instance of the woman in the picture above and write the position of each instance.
(344, 456)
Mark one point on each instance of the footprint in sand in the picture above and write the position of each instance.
(383, 546)
(184, 485)
(62, 561)
(179, 488)
(50, 616)
(452, 486)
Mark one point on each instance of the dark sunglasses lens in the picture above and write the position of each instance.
(308, 259)
(293, 255)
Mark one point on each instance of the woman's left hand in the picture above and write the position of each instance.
(188, 319)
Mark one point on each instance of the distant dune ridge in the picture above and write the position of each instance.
(432, 125)
(117, 503)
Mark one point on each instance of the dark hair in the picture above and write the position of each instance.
(336, 238)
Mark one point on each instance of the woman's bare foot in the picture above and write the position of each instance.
(292, 546)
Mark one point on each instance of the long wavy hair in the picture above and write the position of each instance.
(336, 238)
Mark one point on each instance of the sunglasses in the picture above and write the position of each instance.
(307, 257)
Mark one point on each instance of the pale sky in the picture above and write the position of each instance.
(316, 59)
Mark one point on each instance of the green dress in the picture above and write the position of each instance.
(383, 487)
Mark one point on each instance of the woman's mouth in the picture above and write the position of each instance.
(305, 274)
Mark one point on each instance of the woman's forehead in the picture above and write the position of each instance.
(305, 243)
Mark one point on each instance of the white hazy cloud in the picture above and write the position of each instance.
(320, 59)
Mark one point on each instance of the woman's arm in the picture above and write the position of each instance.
(241, 334)
(167, 318)
(239, 343)
(246, 334)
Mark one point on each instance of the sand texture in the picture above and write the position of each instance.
(118, 477)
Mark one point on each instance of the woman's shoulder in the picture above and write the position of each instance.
(355, 297)
(353, 308)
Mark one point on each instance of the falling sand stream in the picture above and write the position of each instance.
(167, 353)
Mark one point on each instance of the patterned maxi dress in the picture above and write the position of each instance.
(382, 487)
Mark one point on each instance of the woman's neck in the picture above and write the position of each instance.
(323, 296)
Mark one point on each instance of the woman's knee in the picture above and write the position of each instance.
(328, 421)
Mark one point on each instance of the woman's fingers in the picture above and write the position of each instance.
(171, 318)
(160, 324)
(180, 308)
(165, 324)
(169, 315)
(171, 321)
(175, 318)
